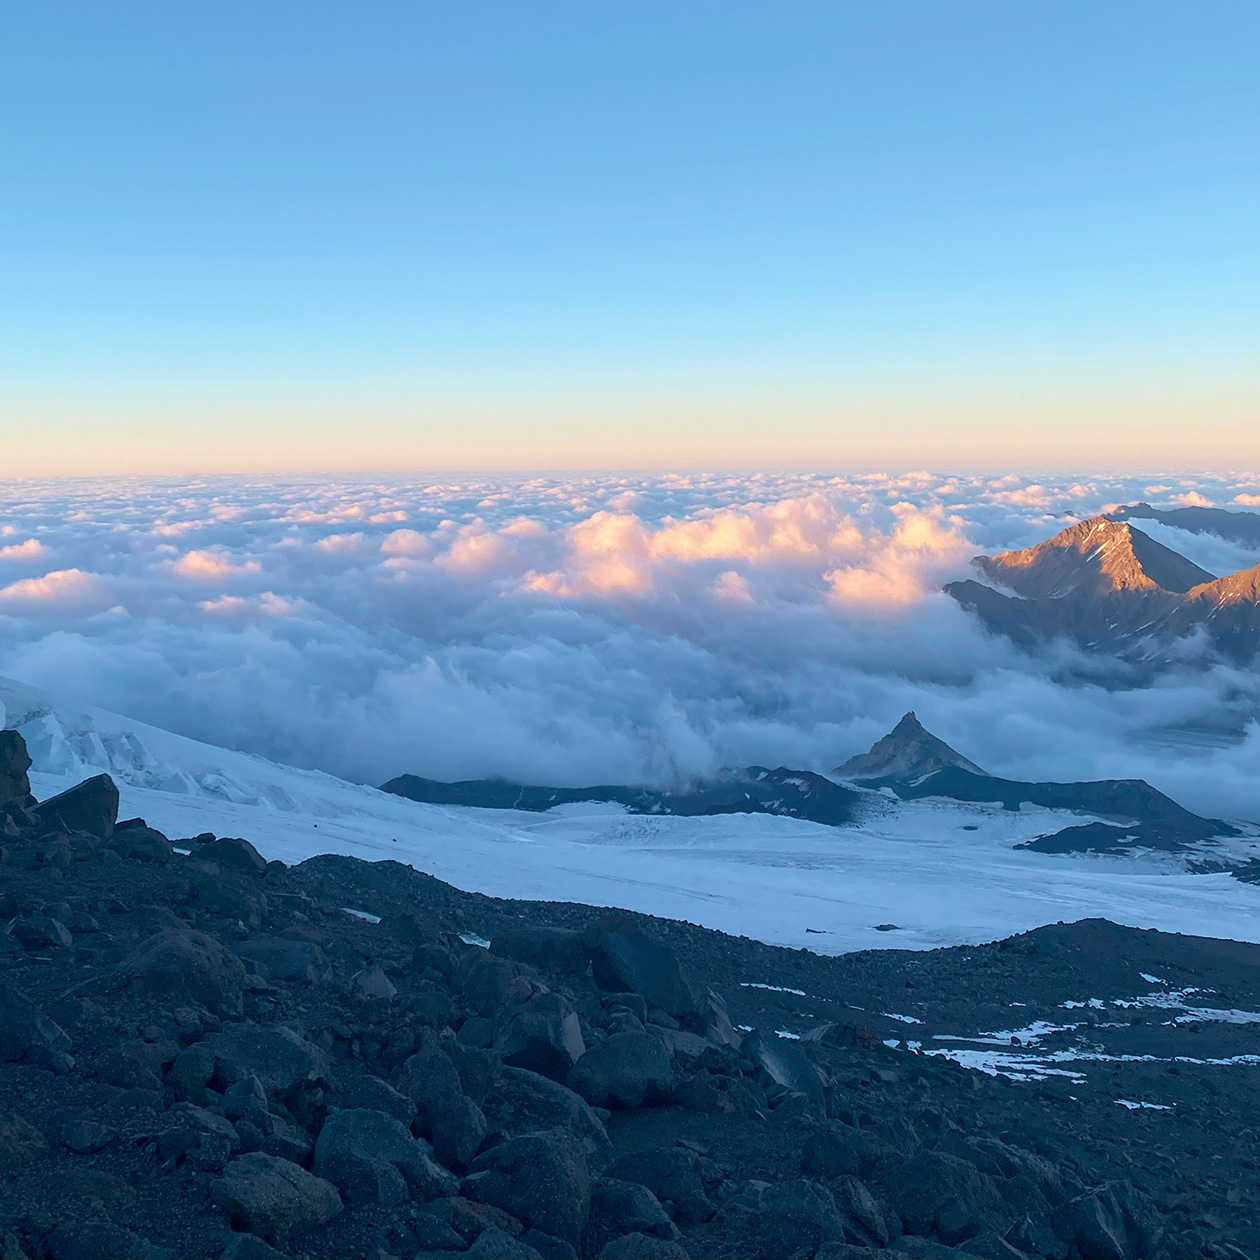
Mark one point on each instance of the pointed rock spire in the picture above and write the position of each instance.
(907, 754)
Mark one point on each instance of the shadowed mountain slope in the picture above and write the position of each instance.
(907, 754)
(1242, 527)
(1105, 584)
(915, 764)
(756, 790)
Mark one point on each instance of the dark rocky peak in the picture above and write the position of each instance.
(907, 754)
(15, 761)
(1243, 527)
(1096, 557)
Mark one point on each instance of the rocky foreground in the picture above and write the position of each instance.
(205, 1054)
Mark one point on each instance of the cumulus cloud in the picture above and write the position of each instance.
(213, 564)
(63, 592)
(598, 628)
(31, 549)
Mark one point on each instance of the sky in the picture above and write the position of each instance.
(292, 238)
(580, 629)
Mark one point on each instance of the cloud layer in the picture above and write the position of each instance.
(582, 629)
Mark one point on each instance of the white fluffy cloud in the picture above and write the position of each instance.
(593, 628)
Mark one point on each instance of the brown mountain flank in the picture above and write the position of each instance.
(1097, 555)
(1109, 586)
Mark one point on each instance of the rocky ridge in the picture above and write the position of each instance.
(203, 1053)
(907, 754)
(1105, 584)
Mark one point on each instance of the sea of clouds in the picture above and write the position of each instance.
(579, 629)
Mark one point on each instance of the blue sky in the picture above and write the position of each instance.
(316, 236)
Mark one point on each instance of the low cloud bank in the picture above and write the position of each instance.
(595, 629)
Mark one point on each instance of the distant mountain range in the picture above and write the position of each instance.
(910, 761)
(914, 764)
(754, 790)
(1105, 584)
(1241, 527)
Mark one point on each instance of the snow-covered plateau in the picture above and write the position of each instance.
(913, 874)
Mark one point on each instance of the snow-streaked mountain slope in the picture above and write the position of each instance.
(944, 873)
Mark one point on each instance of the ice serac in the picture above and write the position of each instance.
(1109, 586)
(907, 754)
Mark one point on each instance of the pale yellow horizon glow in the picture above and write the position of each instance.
(999, 430)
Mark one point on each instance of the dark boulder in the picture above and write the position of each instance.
(15, 761)
(412, 928)
(250, 1247)
(543, 1036)
(444, 1113)
(494, 1244)
(642, 1247)
(38, 931)
(843, 1151)
(629, 1069)
(27, 1034)
(1113, 1222)
(624, 958)
(673, 1174)
(20, 1141)
(524, 1102)
(622, 1207)
(942, 1195)
(557, 949)
(488, 982)
(232, 853)
(284, 1063)
(206, 1140)
(272, 1197)
(192, 1070)
(132, 838)
(541, 1179)
(179, 963)
(715, 1093)
(469, 1220)
(478, 1069)
(428, 1233)
(136, 1064)
(90, 806)
(246, 1099)
(378, 1095)
(863, 1217)
(548, 1246)
(713, 1022)
(231, 896)
(785, 1063)
(86, 1137)
(791, 1218)
(358, 1150)
(300, 961)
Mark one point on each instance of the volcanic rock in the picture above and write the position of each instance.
(15, 761)
(541, 1179)
(90, 806)
(180, 963)
(272, 1197)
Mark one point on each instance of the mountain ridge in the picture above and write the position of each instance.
(908, 753)
(1106, 585)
